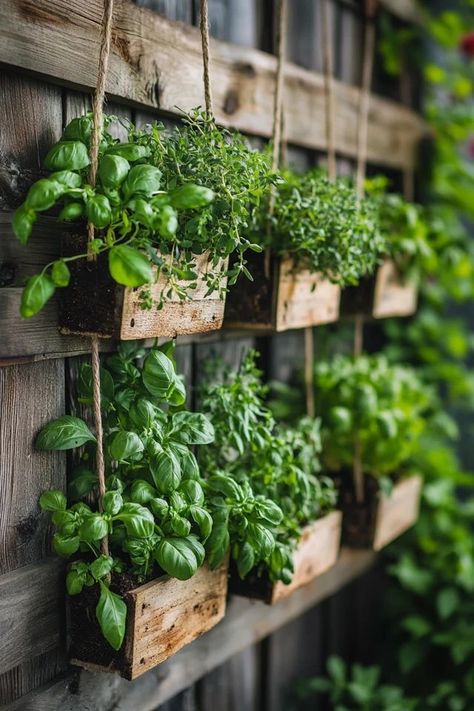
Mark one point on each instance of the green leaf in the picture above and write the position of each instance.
(67, 178)
(192, 492)
(22, 223)
(129, 267)
(67, 155)
(111, 613)
(79, 129)
(43, 194)
(166, 222)
(218, 542)
(143, 180)
(190, 196)
(60, 273)
(337, 670)
(126, 447)
(81, 482)
(66, 432)
(101, 566)
(93, 529)
(75, 581)
(137, 520)
(72, 211)
(65, 545)
(166, 471)
(447, 602)
(158, 374)
(38, 290)
(192, 428)
(99, 212)
(112, 502)
(53, 501)
(245, 560)
(129, 151)
(113, 170)
(142, 492)
(176, 557)
(143, 413)
(203, 519)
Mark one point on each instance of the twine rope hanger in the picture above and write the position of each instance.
(362, 136)
(97, 108)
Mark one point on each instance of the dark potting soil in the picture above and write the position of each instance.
(358, 521)
(251, 301)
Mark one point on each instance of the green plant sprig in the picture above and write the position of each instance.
(155, 511)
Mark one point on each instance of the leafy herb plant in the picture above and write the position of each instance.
(324, 226)
(136, 220)
(263, 478)
(199, 150)
(155, 511)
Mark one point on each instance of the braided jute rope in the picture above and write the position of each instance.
(204, 27)
(97, 107)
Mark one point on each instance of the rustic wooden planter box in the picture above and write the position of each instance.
(286, 298)
(94, 304)
(384, 295)
(380, 518)
(163, 616)
(317, 551)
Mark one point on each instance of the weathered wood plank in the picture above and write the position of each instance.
(245, 623)
(157, 63)
(407, 10)
(236, 683)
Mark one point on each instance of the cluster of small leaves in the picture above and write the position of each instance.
(263, 478)
(405, 229)
(325, 227)
(357, 688)
(136, 221)
(199, 150)
(154, 511)
(385, 406)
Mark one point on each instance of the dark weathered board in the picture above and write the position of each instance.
(157, 63)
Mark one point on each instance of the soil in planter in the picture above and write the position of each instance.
(358, 299)
(251, 301)
(359, 519)
(256, 584)
(87, 641)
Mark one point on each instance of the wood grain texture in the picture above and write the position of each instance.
(398, 512)
(30, 396)
(245, 623)
(304, 298)
(317, 552)
(393, 296)
(236, 684)
(157, 63)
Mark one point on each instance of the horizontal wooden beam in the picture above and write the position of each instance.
(157, 63)
(246, 622)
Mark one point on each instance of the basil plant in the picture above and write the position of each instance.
(135, 218)
(155, 510)
(264, 479)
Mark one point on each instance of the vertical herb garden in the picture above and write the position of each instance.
(236, 401)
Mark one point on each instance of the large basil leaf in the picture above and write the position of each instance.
(192, 492)
(192, 428)
(81, 482)
(94, 528)
(143, 413)
(129, 151)
(38, 290)
(65, 545)
(177, 394)
(113, 170)
(79, 129)
(43, 194)
(129, 267)
(142, 180)
(189, 465)
(218, 542)
(67, 155)
(176, 557)
(203, 519)
(190, 196)
(99, 211)
(22, 223)
(111, 613)
(101, 566)
(158, 374)
(53, 501)
(112, 502)
(245, 560)
(166, 471)
(126, 447)
(138, 520)
(60, 273)
(67, 432)
(142, 492)
(261, 539)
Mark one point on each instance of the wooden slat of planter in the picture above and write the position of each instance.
(157, 63)
(398, 512)
(245, 623)
(393, 296)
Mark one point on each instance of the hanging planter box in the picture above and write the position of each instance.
(285, 298)
(379, 519)
(94, 304)
(317, 551)
(384, 295)
(162, 617)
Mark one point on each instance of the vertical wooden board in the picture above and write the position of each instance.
(235, 21)
(31, 122)
(30, 395)
(235, 685)
(348, 61)
(186, 701)
(286, 355)
(293, 653)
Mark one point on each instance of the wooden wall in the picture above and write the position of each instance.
(38, 366)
